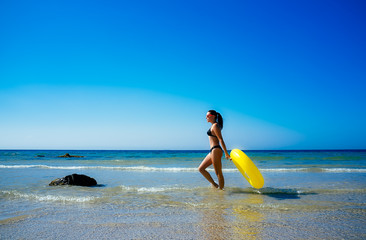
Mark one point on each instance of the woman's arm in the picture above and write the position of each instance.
(217, 132)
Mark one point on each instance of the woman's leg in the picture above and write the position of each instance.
(216, 155)
(202, 168)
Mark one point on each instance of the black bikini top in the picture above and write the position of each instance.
(209, 133)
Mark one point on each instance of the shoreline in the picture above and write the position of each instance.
(188, 150)
(161, 195)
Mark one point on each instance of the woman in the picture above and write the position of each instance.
(215, 155)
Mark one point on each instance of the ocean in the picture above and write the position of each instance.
(161, 195)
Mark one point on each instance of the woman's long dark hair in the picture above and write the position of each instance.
(218, 118)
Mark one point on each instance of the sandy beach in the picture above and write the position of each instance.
(161, 196)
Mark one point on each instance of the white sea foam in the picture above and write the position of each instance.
(133, 168)
(340, 170)
(284, 169)
(152, 189)
(333, 170)
(21, 166)
(186, 169)
(47, 198)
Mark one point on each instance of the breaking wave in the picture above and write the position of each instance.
(47, 198)
(187, 169)
(152, 189)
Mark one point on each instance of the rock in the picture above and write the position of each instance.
(74, 179)
(70, 156)
(40, 156)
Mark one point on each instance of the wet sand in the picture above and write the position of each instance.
(218, 215)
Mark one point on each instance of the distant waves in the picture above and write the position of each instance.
(184, 169)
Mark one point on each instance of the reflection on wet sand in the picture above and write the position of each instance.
(222, 218)
(247, 224)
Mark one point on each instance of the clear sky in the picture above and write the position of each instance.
(142, 74)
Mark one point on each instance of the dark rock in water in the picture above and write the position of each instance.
(70, 156)
(74, 179)
(40, 156)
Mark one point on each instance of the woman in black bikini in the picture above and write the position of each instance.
(215, 155)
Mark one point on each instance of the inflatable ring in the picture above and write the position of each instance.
(247, 168)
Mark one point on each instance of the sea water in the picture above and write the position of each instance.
(161, 195)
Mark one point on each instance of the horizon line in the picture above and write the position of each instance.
(340, 149)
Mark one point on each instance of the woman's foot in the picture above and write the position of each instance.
(215, 185)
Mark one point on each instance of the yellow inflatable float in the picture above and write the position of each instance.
(247, 168)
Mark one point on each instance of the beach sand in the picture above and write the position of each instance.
(218, 215)
(161, 195)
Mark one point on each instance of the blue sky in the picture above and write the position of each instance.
(142, 74)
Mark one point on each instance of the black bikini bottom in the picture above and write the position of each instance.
(217, 146)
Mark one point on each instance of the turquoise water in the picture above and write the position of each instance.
(160, 195)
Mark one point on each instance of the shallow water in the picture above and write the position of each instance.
(161, 195)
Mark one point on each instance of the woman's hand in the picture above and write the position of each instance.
(227, 156)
